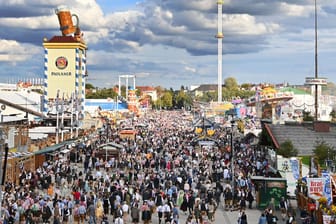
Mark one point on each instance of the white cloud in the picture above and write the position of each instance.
(244, 24)
(296, 10)
(12, 51)
(190, 69)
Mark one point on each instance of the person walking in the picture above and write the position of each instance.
(135, 213)
(291, 219)
(46, 213)
(146, 213)
(92, 213)
(82, 213)
(250, 199)
(99, 211)
(160, 210)
(176, 215)
(283, 207)
(242, 217)
(262, 219)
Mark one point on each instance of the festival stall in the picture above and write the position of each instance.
(268, 188)
(316, 196)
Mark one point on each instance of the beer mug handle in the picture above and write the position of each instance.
(77, 19)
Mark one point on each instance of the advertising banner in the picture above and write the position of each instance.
(315, 186)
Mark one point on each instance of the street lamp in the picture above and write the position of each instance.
(232, 157)
(107, 137)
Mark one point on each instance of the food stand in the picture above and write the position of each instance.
(268, 188)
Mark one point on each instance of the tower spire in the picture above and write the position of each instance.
(219, 37)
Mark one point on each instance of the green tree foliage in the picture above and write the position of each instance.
(182, 99)
(233, 90)
(231, 83)
(101, 94)
(89, 86)
(167, 100)
(207, 97)
(287, 149)
(323, 151)
(138, 92)
(265, 139)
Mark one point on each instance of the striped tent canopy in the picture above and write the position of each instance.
(16, 154)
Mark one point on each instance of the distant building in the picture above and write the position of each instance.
(147, 91)
(204, 88)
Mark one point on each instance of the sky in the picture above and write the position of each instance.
(171, 43)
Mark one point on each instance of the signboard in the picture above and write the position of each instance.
(315, 81)
(61, 71)
(315, 186)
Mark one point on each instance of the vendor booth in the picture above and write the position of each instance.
(268, 188)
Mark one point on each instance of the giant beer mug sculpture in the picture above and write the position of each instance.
(65, 20)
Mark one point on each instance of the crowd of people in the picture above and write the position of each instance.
(163, 172)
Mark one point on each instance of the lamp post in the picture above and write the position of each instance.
(57, 116)
(107, 138)
(232, 162)
(232, 158)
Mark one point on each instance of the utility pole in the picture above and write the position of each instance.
(316, 68)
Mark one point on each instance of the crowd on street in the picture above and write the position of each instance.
(163, 172)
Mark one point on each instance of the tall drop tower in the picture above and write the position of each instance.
(219, 37)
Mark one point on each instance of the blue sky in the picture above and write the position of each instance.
(171, 42)
(110, 6)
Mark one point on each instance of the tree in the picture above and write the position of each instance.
(167, 100)
(287, 149)
(323, 151)
(101, 94)
(89, 86)
(182, 99)
(265, 138)
(231, 83)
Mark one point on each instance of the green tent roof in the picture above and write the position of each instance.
(53, 148)
(294, 90)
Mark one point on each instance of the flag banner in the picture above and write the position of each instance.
(313, 166)
(327, 186)
(295, 166)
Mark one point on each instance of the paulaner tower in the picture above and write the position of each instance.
(65, 62)
(219, 37)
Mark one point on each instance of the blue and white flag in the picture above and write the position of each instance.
(327, 186)
(295, 168)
